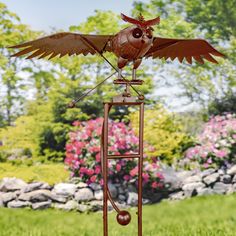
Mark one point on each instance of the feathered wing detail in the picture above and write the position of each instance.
(198, 49)
(63, 44)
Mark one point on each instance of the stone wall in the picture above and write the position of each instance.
(185, 184)
(15, 193)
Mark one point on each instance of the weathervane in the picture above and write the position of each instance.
(131, 44)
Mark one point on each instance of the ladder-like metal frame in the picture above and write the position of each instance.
(106, 157)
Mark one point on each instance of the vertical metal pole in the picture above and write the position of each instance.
(140, 168)
(105, 164)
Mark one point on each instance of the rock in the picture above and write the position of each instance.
(98, 194)
(231, 189)
(210, 179)
(226, 179)
(172, 181)
(221, 171)
(145, 201)
(207, 172)
(132, 199)
(18, 204)
(11, 184)
(84, 194)
(232, 170)
(45, 186)
(204, 191)
(113, 190)
(97, 205)
(41, 195)
(192, 188)
(95, 186)
(7, 197)
(131, 188)
(31, 187)
(177, 196)
(18, 192)
(121, 190)
(121, 197)
(71, 205)
(221, 188)
(64, 189)
(81, 185)
(41, 205)
(234, 179)
(58, 198)
(192, 179)
(82, 208)
(184, 174)
(59, 206)
(74, 180)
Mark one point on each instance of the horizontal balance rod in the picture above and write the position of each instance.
(123, 156)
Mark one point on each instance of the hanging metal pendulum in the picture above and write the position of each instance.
(123, 217)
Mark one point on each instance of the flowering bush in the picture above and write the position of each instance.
(217, 143)
(164, 132)
(84, 160)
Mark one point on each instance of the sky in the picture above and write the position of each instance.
(60, 14)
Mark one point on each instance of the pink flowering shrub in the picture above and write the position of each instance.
(217, 143)
(84, 160)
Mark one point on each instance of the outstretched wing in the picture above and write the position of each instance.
(63, 44)
(198, 49)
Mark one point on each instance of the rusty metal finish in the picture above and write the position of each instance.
(105, 167)
(129, 45)
(123, 217)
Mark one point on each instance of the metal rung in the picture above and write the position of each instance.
(129, 82)
(123, 156)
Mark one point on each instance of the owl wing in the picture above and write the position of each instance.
(63, 44)
(198, 49)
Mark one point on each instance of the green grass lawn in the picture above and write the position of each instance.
(50, 173)
(212, 215)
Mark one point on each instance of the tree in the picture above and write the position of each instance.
(224, 105)
(217, 17)
(197, 83)
(12, 84)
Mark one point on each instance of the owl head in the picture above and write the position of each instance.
(142, 26)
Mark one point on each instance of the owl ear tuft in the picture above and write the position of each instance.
(140, 21)
(129, 19)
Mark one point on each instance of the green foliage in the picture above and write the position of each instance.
(164, 132)
(19, 141)
(198, 19)
(12, 85)
(224, 105)
(215, 16)
(196, 216)
(49, 173)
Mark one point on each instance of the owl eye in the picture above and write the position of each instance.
(149, 34)
(137, 33)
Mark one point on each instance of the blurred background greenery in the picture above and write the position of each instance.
(35, 121)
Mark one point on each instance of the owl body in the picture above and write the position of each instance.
(131, 44)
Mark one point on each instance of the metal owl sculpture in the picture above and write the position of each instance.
(131, 44)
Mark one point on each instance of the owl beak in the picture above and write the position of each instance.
(144, 39)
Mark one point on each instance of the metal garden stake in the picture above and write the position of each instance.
(129, 45)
